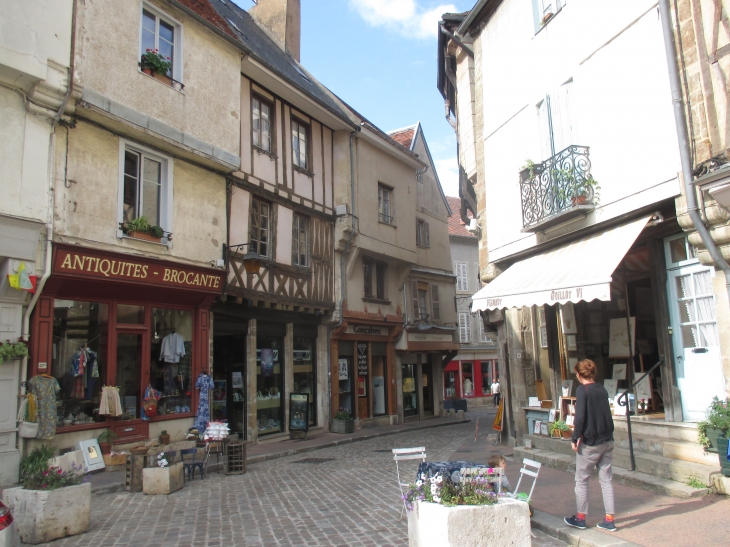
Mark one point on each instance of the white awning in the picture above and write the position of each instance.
(578, 271)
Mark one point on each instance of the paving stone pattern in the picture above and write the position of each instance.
(351, 500)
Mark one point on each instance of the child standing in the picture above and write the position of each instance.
(497, 461)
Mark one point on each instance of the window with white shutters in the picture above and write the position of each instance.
(414, 297)
(462, 277)
(464, 327)
(556, 128)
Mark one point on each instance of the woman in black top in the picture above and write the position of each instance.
(593, 444)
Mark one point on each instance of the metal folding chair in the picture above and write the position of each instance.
(400, 454)
(525, 471)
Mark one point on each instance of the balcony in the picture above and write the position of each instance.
(558, 190)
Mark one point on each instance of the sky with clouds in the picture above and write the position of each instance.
(380, 57)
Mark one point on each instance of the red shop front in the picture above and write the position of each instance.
(469, 379)
(111, 319)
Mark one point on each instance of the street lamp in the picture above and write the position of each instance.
(251, 261)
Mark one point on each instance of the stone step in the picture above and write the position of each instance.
(620, 474)
(676, 431)
(649, 463)
(678, 450)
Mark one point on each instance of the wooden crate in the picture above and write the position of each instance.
(236, 458)
(133, 474)
(115, 459)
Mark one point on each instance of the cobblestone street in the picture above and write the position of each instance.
(351, 499)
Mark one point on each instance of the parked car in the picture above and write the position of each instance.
(8, 532)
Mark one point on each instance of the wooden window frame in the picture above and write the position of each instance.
(462, 276)
(375, 274)
(422, 233)
(465, 330)
(272, 125)
(307, 168)
(256, 230)
(176, 71)
(385, 216)
(297, 231)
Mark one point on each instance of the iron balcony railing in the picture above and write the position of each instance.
(560, 183)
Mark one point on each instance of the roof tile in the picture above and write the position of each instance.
(456, 226)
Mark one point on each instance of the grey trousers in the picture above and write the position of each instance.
(586, 459)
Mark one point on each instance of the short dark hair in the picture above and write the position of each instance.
(587, 369)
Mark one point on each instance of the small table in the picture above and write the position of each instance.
(451, 469)
(218, 448)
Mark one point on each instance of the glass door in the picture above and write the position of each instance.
(131, 353)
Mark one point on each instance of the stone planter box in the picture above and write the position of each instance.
(506, 523)
(722, 454)
(712, 434)
(343, 426)
(163, 480)
(459, 404)
(45, 515)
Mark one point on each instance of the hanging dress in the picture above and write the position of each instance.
(204, 383)
(45, 389)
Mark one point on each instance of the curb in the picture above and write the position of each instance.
(111, 488)
(590, 537)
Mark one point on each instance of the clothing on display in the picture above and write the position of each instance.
(45, 388)
(173, 347)
(149, 405)
(110, 402)
(204, 383)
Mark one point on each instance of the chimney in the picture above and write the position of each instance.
(282, 21)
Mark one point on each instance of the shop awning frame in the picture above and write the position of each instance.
(578, 271)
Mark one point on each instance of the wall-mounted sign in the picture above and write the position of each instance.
(120, 267)
(299, 411)
(419, 337)
(362, 359)
(367, 330)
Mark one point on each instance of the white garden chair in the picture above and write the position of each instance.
(526, 463)
(400, 454)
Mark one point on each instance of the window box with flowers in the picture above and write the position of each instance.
(13, 350)
(140, 228)
(154, 64)
(343, 422)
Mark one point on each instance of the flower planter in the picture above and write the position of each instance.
(567, 434)
(164, 439)
(343, 426)
(722, 443)
(712, 434)
(506, 523)
(105, 448)
(136, 234)
(163, 480)
(147, 71)
(164, 79)
(45, 515)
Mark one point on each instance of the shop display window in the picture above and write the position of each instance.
(450, 384)
(305, 355)
(410, 399)
(171, 371)
(467, 379)
(345, 373)
(269, 384)
(380, 378)
(80, 332)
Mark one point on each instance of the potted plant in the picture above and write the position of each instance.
(13, 350)
(715, 426)
(105, 439)
(164, 437)
(41, 507)
(155, 64)
(343, 422)
(560, 429)
(140, 228)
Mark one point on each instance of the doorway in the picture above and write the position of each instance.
(229, 357)
(427, 386)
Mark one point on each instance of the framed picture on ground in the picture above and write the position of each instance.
(538, 428)
(543, 429)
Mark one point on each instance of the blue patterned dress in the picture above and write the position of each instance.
(203, 383)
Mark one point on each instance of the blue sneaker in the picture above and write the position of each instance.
(607, 525)
(575, 522)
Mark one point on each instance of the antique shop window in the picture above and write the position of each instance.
(385, 204)
(410, 400)
(305, 361)
(163, 33)
(171, 360)
(260, 231)
(299, 140)
(462, 277)
(269, 384)
(300, 230)
(467, 379)
(464, 327)
(422, 236)
(80, 357)
(450, 384)
(146, 187)
(261, 116)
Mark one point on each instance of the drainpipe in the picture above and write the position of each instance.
(683, 138)
(420, 173)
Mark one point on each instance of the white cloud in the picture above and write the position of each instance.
(404, 16)
(448, 172)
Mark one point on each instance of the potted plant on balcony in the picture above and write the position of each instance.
(717, 425)
(41, 507)
(588, 189)
(343, 422)
(13, 350)
(105, 439)
(155, 64)
(140, 228)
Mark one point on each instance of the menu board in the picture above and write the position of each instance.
(299, 411)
